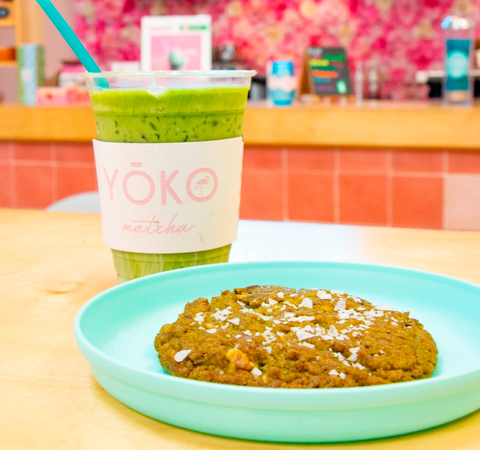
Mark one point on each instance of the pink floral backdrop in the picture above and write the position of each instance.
(398, 37)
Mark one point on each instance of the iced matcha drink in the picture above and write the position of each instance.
(185, 114)
(175, 115)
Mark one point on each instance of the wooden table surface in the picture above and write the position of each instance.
(52, 263)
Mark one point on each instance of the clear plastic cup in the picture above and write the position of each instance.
(163, 107)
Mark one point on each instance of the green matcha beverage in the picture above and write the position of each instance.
(200, 116)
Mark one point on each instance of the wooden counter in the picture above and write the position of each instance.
(373, 125)
(52, 263)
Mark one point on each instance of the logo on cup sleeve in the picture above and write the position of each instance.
(139, 187)
(202, 185)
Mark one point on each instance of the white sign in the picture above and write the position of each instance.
(169, 198)
(176, 43)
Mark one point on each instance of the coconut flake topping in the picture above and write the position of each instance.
(181, 355)
(307, 303)
(324, 295)
(256, 372)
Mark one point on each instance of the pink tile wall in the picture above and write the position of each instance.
(364, 187)
(462, 202)
(34, 175)
(462, 192)
(417, 189)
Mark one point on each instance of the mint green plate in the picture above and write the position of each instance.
(115, 332)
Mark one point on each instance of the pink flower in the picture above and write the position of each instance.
(400, 36)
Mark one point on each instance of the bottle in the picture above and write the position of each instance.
(457, 82)
(281, 83)
(359, 83)
(373, 83)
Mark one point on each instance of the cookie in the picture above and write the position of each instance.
(272, 336)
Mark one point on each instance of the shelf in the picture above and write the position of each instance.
(8, 63)
(7, 22)
(382, 124)
(11, 9)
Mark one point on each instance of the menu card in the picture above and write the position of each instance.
(325, 72)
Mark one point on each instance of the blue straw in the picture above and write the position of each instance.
(69, 36)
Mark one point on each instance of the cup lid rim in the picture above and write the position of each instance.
(175, 73)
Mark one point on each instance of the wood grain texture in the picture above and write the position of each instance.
(36, 123)
(52, 263)
(30, 26)
(373, 125)
(380, 125)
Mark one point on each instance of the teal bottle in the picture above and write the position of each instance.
(459, 39)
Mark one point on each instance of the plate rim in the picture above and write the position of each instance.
(459, 382)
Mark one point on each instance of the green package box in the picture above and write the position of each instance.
(170, 115)
(31, 72)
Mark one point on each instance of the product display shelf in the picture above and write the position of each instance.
(8, 63)
(24, 17)
(9, 21)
